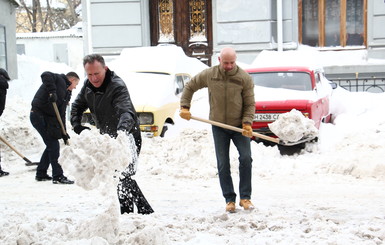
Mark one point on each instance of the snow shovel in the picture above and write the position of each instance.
(28, 162)
(60, 122)
(258, 135)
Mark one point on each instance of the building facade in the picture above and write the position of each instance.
(203, 27)
(61, 46)
(8, 59)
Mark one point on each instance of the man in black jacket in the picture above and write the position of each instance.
(4, 78)
(55, 90)
(106, 96)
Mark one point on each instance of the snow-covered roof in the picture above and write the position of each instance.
(76, 32)
(15, 2)
(53, 4)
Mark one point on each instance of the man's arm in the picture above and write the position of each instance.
(48, 79)
(124, 108)
(197, 82)
(78, 107)
(248, 101)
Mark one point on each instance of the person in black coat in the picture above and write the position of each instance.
(55, 90)
(4, 78)
(106, 96)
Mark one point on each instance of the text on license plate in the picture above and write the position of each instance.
(264, 117)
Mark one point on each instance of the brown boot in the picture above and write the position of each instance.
(246, 204)
(230, 207)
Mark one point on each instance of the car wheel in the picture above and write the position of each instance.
(291, 150)
(164, 129)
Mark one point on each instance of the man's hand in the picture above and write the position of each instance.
(65, 138)
(52, 97)
(247, 130)
(185, 113)
(79, 128)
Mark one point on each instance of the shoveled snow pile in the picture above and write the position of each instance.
(293, 126)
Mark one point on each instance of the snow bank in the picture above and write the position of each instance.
(330, 193)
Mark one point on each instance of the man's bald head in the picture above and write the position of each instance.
(227, 58)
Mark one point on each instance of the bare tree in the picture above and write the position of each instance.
(41, 16)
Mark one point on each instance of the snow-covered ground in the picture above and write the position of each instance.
(331, 193)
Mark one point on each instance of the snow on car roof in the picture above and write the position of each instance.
(162, 59)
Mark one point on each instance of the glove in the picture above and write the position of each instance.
(185, 113)
(79, 128)
(247, 130)
(65, 138)
(52, 97)
(126, 127)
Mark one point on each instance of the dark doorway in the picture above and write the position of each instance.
(185, 23)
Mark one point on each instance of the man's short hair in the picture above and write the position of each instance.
(72, 74)
(91, 58)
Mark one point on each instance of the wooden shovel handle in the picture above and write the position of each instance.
(222, 125)
(60, 122)
(14, 149)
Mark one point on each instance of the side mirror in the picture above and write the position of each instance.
(333, 85)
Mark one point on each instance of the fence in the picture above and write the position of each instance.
(363, 84)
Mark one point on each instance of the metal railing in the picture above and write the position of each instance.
(363, 84)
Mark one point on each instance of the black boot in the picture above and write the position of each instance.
(62, 180)
(3, 173)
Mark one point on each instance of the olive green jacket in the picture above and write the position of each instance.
(231, 94)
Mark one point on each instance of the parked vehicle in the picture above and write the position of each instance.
(280, 89)
(155, 77)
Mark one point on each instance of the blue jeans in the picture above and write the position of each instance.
(52, 151)
(222, 138)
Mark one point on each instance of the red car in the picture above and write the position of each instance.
(280, 89)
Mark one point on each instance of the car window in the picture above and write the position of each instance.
(186, 78)
(179, 84)
(288, 80)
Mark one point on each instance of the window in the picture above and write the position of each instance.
(20, 49)
(179, 84)
(332, 23)
(3, 50)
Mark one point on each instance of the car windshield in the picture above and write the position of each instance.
(289, 80)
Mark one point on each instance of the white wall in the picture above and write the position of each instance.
(115, 25)
(43, 48)
(8, 20)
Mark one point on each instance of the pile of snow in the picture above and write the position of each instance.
(293, 126)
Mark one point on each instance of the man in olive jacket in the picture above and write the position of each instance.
(106, 96)
(231, 98)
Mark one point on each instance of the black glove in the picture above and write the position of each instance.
(52, 97)
(79, 128)
(65, 138)
(126, 126)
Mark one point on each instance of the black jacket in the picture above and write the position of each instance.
(3, 92)
(52, 83)
(110, 106)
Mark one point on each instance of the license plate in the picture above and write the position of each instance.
(265, 117)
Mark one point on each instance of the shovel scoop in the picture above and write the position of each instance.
(28, 162)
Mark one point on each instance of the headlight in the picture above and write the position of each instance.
(146, 118)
